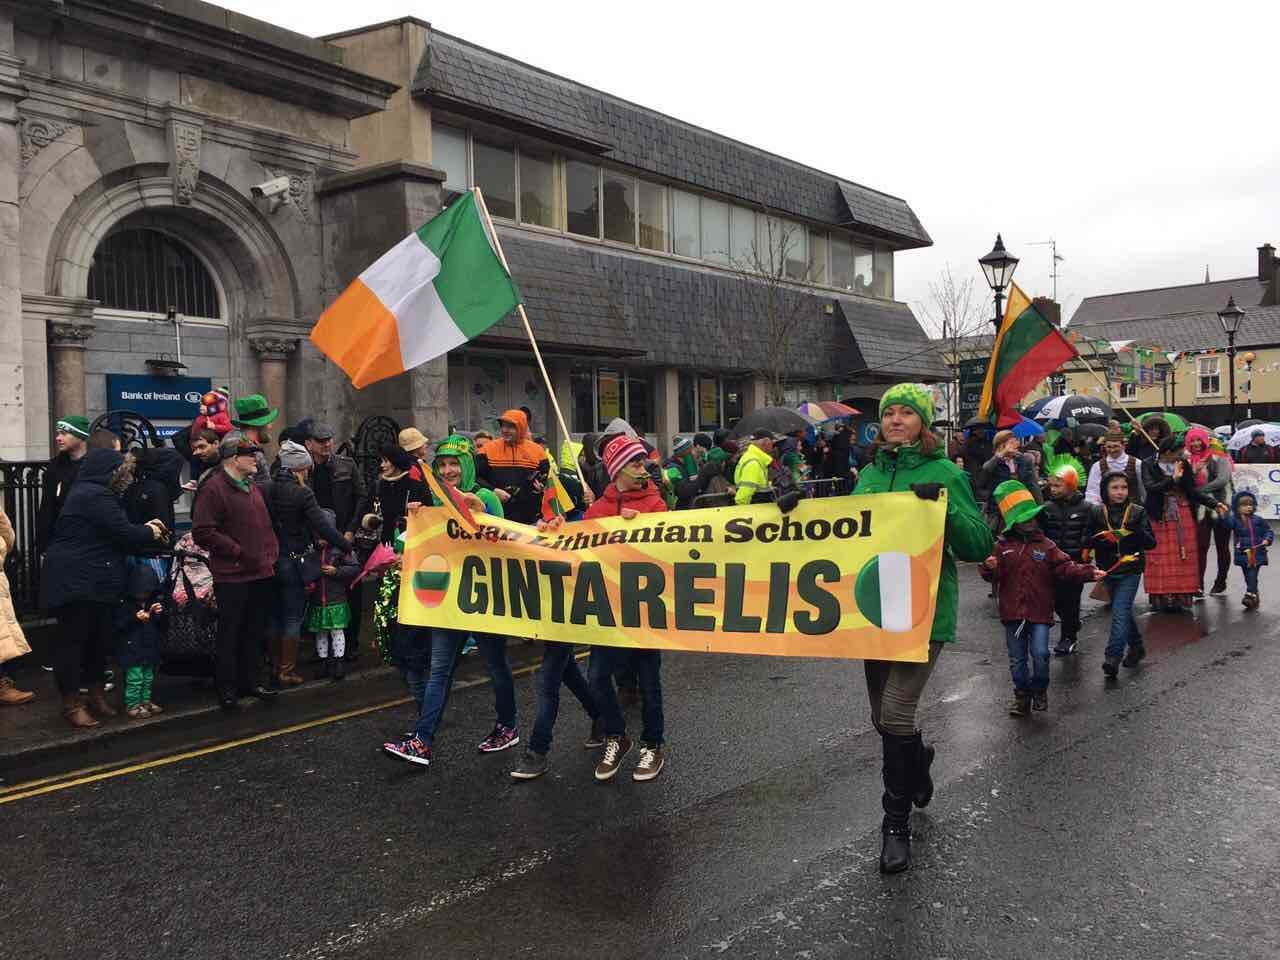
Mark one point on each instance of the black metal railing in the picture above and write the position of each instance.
(20, 485)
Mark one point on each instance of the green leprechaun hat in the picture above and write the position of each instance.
(1016, 503)
(254, 411)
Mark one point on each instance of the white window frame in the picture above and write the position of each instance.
(829, 234)
(1201, 375)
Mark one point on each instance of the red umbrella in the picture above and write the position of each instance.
(834, 408)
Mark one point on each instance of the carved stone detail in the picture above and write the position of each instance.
(184, 159)
(301, 193)
(38, 133)
(273, 348)
(63, 333)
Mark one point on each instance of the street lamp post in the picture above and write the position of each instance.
(1248, 359)
(997, 267)
(1230, 317)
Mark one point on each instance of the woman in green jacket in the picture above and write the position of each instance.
(909, 458)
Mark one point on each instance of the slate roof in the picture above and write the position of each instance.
(1192, 331)
(472, 80)
(1167, 301)
(585, 298)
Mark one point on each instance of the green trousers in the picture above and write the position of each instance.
(137, 685)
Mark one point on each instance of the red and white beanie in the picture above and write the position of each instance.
(619, 452)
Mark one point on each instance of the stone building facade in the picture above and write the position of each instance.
(132, 136)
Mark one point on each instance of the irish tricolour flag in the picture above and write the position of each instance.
(436, 289)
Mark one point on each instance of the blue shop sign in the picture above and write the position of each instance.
(157, 398)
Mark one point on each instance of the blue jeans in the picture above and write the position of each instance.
(290, 611)
(446, 645)
(494, 651)
(558, 666)
(648, 664)
(1019, 636)
(1124, 629)
(1250, 579)
(446, 648)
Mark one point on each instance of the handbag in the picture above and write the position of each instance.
(192, 632)
(309, 564)
(1101, 592)
(365, 539)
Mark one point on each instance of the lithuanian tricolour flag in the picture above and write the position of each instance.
(1027, 349)
(436, 289)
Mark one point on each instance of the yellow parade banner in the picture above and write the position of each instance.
(837, 577)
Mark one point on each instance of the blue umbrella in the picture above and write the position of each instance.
(1027, 429)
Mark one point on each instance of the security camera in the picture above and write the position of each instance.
(275, 187)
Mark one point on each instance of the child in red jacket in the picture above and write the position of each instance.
(1023, 567)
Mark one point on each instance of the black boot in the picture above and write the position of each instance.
(339, 668)
(898, 773)
(922, 783)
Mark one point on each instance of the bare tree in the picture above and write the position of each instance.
(770, 270)
(956, 314)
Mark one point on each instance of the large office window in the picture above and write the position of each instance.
(863, 270)
(795, 256)
(449, 153)
(538, 202)
(743, 250)
(883, 285)
(582, 195)
(715, 231)
(841, 262)
(495, 175)
(619, 207)
(817, 257)
(686, 239)
(651, 205)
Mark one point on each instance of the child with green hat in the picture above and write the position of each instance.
(1023, 566)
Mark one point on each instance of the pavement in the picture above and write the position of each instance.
(1135, 819)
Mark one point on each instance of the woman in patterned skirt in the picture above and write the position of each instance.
(1173, 570)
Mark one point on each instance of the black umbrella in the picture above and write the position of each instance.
(1081, 408)
(978, 423)
(777, 419)
(1091, 430)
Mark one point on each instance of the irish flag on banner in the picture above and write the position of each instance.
(1027, 349)
(436, 289)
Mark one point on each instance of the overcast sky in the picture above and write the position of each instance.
(1143, 137)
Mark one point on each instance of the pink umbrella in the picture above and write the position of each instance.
(380, 561)
(834, 408)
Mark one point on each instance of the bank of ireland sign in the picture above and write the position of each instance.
(157, 398)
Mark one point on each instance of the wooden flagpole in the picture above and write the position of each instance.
(524, 317)
(1116, 401)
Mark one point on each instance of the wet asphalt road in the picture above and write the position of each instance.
(1136, 819)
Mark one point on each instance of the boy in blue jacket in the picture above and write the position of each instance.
(1253, 536)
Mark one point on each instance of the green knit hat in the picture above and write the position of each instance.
(1016, 503)
(913, 395)
(77, 426)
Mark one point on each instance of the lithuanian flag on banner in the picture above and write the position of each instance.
(1028, 348)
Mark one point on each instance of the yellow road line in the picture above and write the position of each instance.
(87, 775)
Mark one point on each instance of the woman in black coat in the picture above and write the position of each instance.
(299, 520)
(156, 487)
(84, 578)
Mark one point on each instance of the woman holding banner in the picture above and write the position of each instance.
(908, 457)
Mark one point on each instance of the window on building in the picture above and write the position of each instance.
(841, 262)
(651, 206)
(1209, 381)
(582, 195)
(863, 267)
(883, 285)
(1128, 391)
(146, 271)
(795, 255)
(495, 175)
(715, 230)
(733, 400)
(743, 249)
(449, 153)
(619, 207)
(582, 392)
(686, 231)
(538, 189)
(817, 257)
(640, 402)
